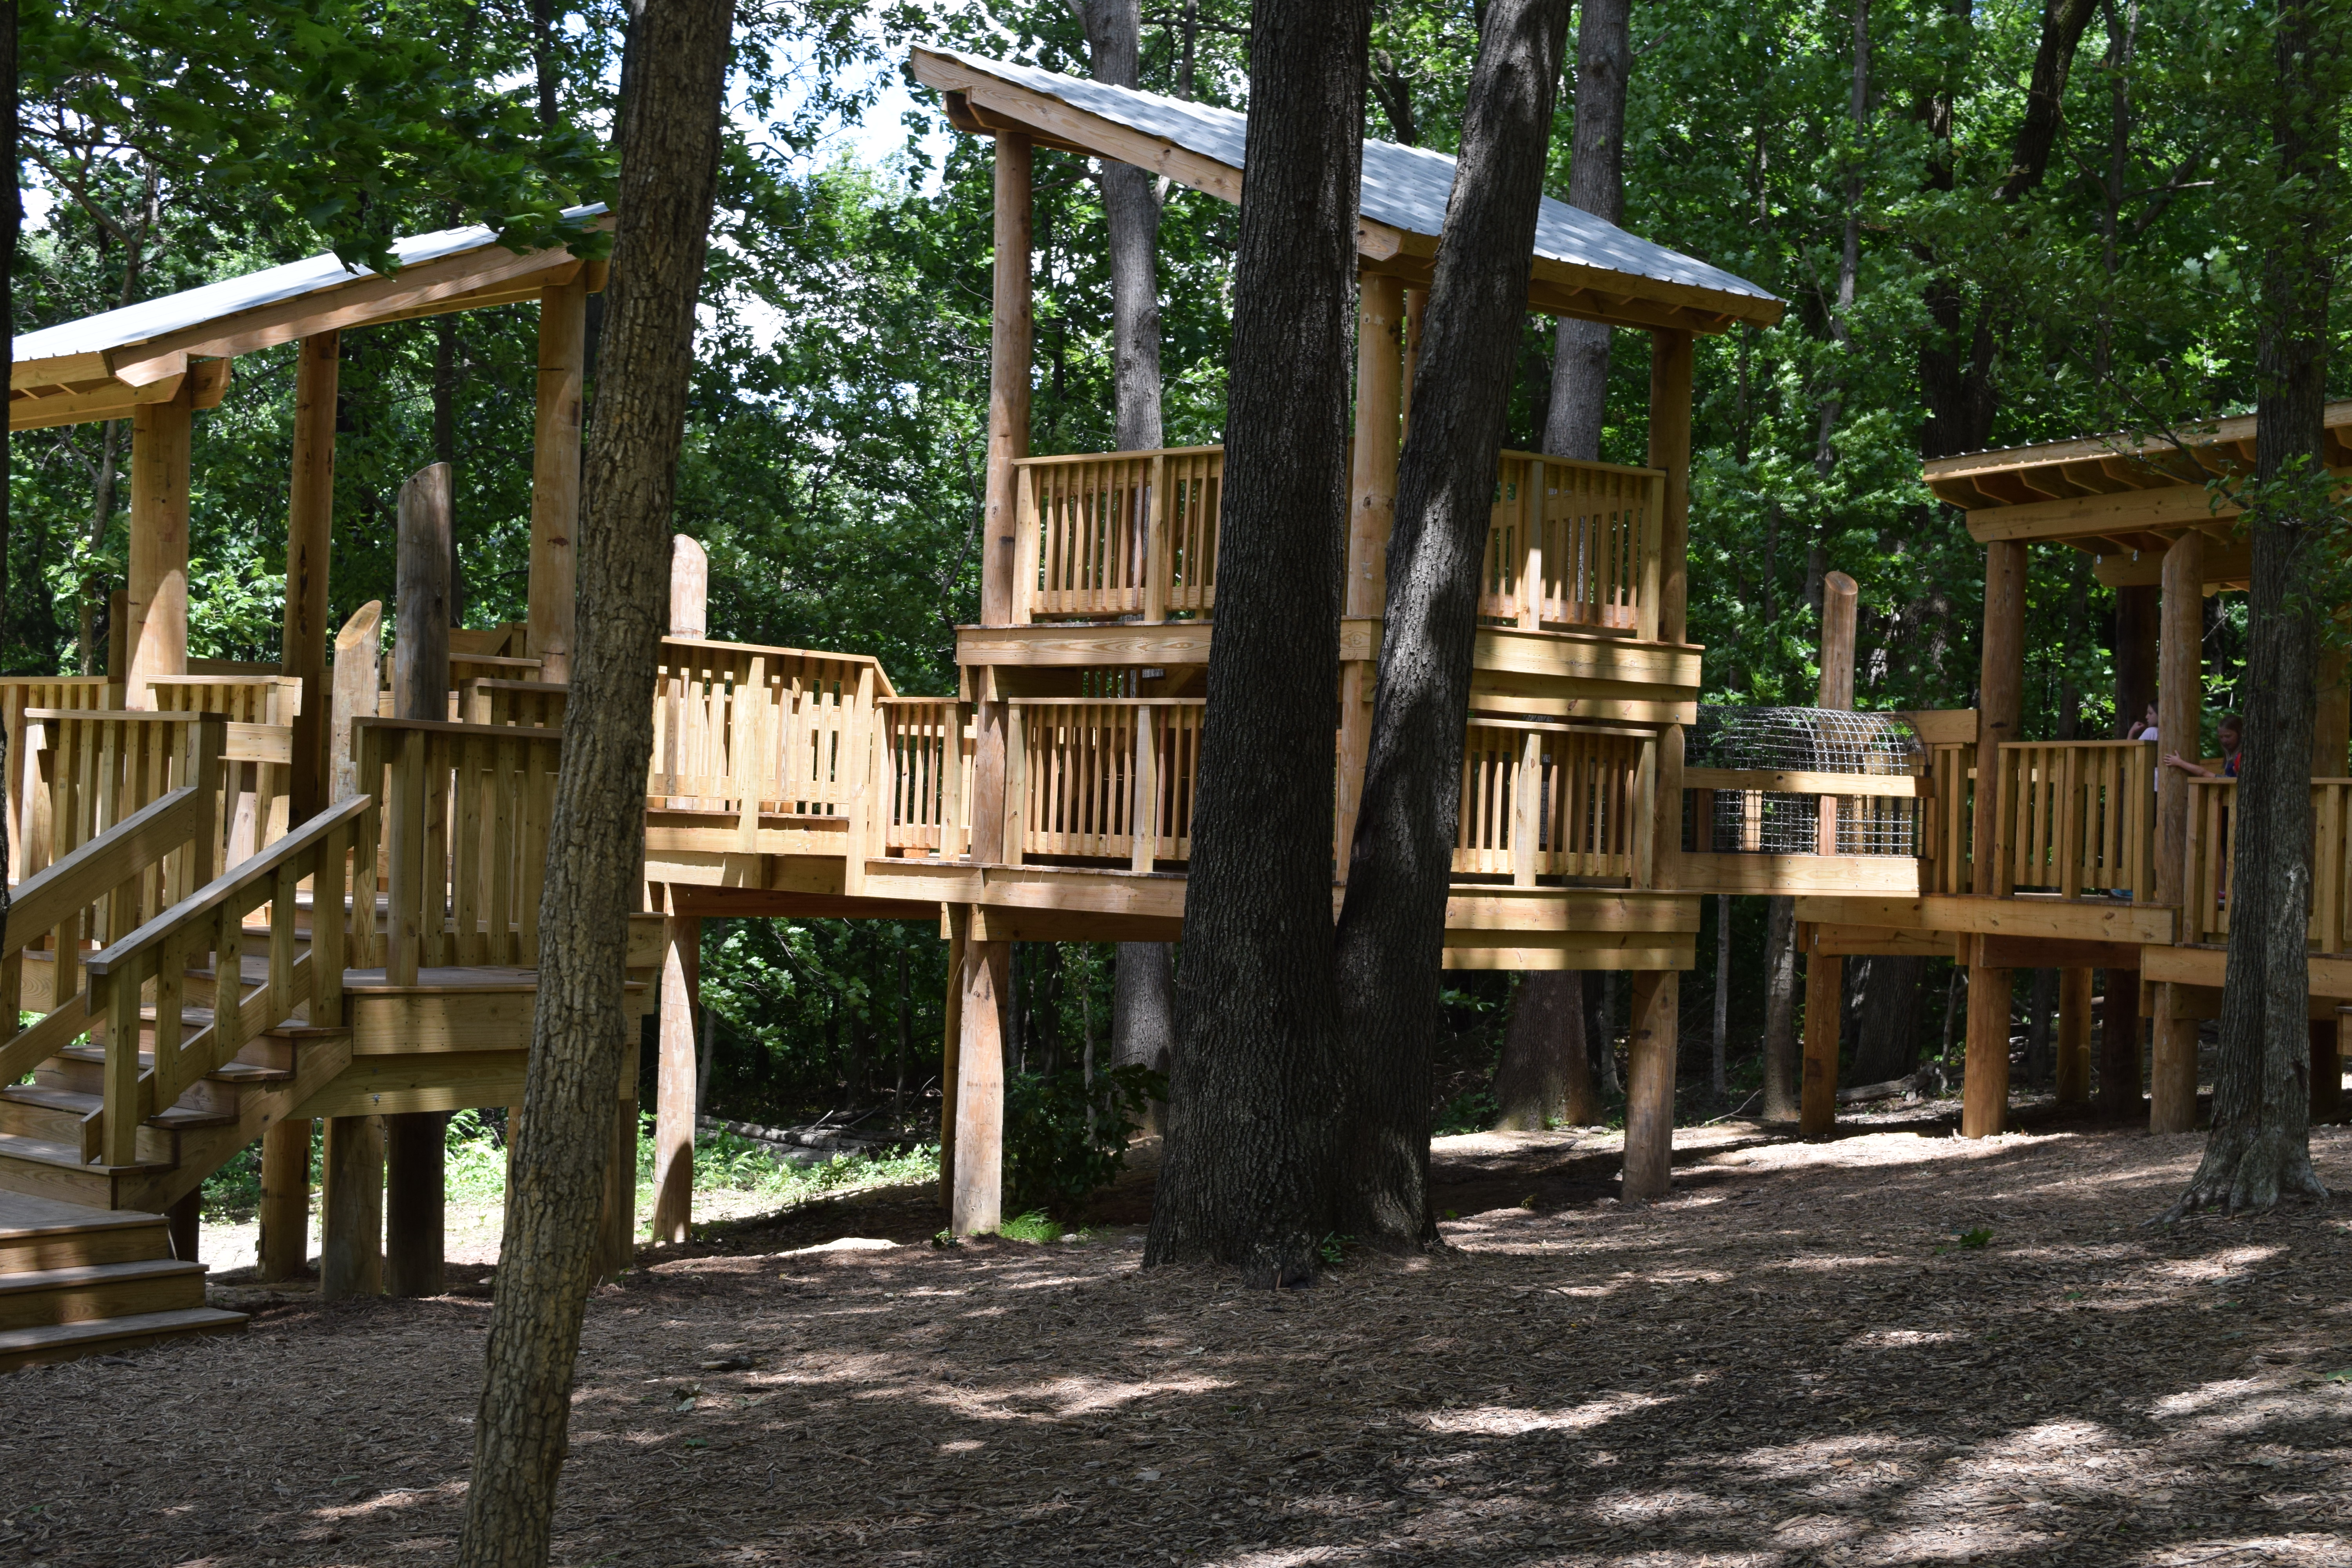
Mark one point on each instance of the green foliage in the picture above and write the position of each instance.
(1064, 1141)
(1976, 1239)
(1030, 1227)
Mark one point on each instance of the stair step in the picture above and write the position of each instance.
(42, 1233)
(46, 1296)
(69, 1342)
(45, 1151)
(227, 1072)
(73, 1102)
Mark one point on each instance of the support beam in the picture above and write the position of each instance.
(1824, 1011)
(420, 654)
(978, 1206)
(1371, 518)
(2074, 1037)
(2179, 714)
(309, 533)
(1010, 330)
(1670, 449)
(2119, 1046)
(2137, 612)
(2327, 1070)
(675, 1075)
(285, 1244)
(616, 1223)
(157, 633)
(2172, 1063)
(958, 923)
(351, 1248)
(358, 659)
(184, 1223)
(689, 588)
(555, 475)
(1649, 1085)
(414, 1202)
(2001, 694)
(1984, 1093)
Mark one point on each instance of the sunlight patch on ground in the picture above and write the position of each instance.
(1887, 1339)
(1504, 1420)
(2239, 1407)
(2244, 1551)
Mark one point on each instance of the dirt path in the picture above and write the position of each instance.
(1794, 1361)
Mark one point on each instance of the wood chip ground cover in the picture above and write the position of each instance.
(1794, 1361)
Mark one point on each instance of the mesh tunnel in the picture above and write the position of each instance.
(1800, 740)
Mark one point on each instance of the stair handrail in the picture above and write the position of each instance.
(51, 898)
(212, 921)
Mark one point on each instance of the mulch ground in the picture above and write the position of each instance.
(1794, 1361)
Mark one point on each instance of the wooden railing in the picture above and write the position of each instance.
(18, 693)
(72, 905)
(261, 777)
(2077, 818)
(1573, 545)
(1111, 535)
(1555, 800)
(2212, 855)
(534, 704)
(464, 820)
(304, 968)
(926, 751)
(1946, 817)
(746, 729)
(1101, 779)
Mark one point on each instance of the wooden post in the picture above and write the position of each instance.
(421, 655)
(2179, 707)
(2328, 1068)
(351, 1250)
(1416, 305)
(1984, 1092)
(958, 920)
(976, 1205)
(1824, 1013)
(2074, 1036)
(1670, 449)
(1650, 1086)
(674, 1071)
(285, 1246)
(2000, 699)
(617, 1224)
(1371, 518)
(157, 631)
(2172, 1062)
(414, 1202)
(2119, 1048)
(689, 588)
(359, 656)
(118, 639)
(555, 475)
(310, 531)
(1010, 334)
(1839, 596)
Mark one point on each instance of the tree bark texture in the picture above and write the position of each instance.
(1596, 182)
(1253, 1116)
(1887, 1046)
(1392, 933)
(1781, 1057)
(2260, 1146)
(1545, 1075)
(1143, 1015)
(580, 1033)
(2119, 1047)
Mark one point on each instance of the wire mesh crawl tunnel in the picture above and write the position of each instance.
(1809, 741)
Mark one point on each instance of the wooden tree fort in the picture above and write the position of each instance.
(181, 827)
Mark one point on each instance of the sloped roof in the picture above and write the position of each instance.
(1405, 189)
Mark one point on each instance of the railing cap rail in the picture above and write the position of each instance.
(1551, 462)
(1049, 458)
(2079, 745)
(492, 683)
(1105, 702)
(451, 727)
(880, 675)
(123, 715)
(30, 913)
(237, 880)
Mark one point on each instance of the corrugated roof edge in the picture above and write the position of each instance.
(207, 302)
(1391, 171)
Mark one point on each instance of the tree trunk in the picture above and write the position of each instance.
(1596, 182)
(669, 147)
(1781, 1056)
(1142, 1015)
(1546, 1074)
(1888, 1045)
(1253, 1118)
(2260, 1146)
(1391, 934)
(2042, 1026)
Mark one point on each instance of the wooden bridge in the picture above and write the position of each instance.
(247, 898)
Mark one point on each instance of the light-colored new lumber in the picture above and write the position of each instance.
(1824, 1011)
(2000, 693)
(2180, 705)
(285, 1243)
(1010, 331)
(689, 587)
(2075, 1036)
(674, 1077)
(157, 578)
(358, 651)
(1649, 1085)
(351, 1261)
(2172, 1063)
(1984, 1094)
(978, 1206)
(1670, 450)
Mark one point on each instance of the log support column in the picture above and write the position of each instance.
(616, 1223)
(1371, 518)
(156, 636)
(555, 475)
(285, 1245)
(351, 1250)
(2172, 1063)
(1649, 1085)
(1824, 1013)
(977, 1203)
(2000, 699)
(310, 531)
(674, 1076)
(2074, 1037)
(2328, 1068)
(414, 1202)
(184, 1223)
(2120, 1089)
(956, 919)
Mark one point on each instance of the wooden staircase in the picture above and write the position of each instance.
(76, 1280)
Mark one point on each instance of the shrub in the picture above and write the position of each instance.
(1062, 1142)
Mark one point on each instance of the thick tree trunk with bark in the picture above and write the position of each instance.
(1888, 1045)
(1596, 181)
(1782, 1059)
(1253, 1124)
(1392, 925)
(2260, 1147)
(669, 146)
(1143, 1015)
(1545, 1075)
